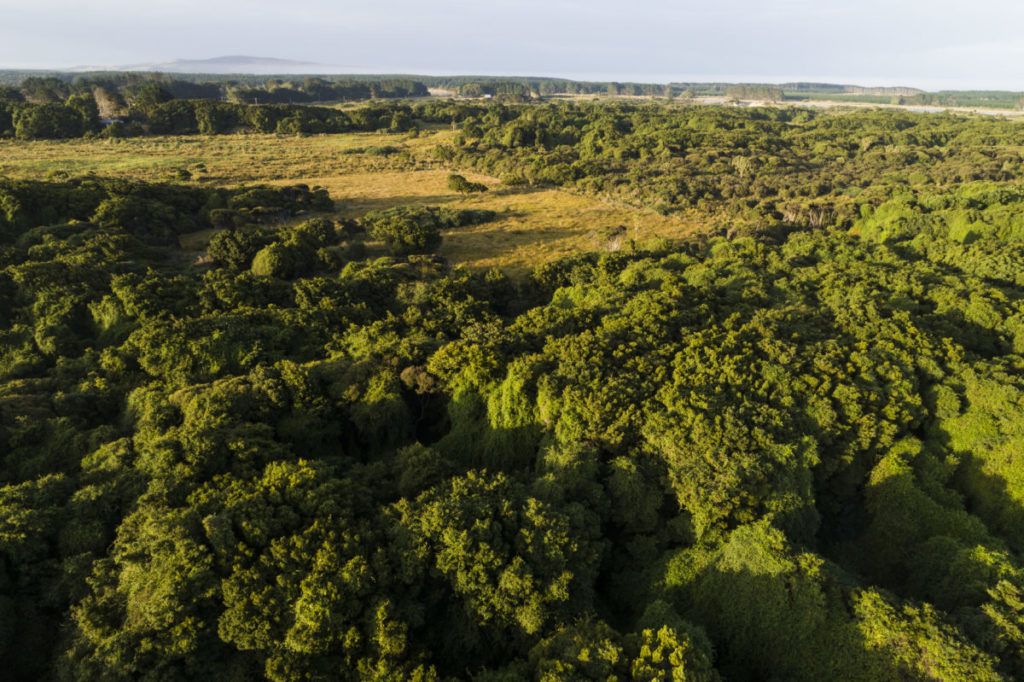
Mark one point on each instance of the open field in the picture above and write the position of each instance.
(534, 225)
(223, 159)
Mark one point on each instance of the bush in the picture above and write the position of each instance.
(145, 218)
(416, 229)
(284, 260)
(458, 183)
(234, 248)
(450, 217)
(274, 260)
(513, 180)
(405, 234)
(316, 232)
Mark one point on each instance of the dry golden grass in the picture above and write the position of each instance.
(222, 159)
(534, 225)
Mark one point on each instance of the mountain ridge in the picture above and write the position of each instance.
(242, 64)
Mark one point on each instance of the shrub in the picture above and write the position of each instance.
(234, 248)
(406, 234)
(458, 183)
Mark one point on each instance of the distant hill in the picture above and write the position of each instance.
(228, 64)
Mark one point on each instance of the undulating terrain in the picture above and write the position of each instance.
(446, 389)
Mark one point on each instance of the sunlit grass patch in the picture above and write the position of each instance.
(534, 225)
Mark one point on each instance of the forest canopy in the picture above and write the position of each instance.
(786, 448)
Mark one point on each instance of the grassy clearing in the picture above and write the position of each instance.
(222, 159)
(534, 225)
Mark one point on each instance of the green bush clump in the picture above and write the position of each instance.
(417, 229)
(459, 183)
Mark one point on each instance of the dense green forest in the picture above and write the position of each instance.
(787, 448)
(157, 113)
(769, 169)
(122, 89)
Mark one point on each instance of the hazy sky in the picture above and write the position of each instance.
(924, 43)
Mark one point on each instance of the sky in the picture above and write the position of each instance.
(931, 44)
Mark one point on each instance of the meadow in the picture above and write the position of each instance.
(364, 172)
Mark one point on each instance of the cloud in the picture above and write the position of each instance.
(894, 40)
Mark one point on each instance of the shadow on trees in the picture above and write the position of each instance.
(784, 618)
(363, 205)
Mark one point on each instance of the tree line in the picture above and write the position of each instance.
(120, 90)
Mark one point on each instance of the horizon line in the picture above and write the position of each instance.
(923, 84)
